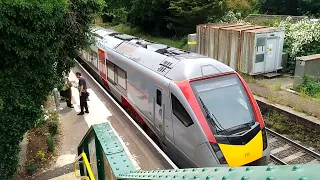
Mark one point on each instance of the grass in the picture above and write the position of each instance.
(277, 87)
(283, 125)
(178, 43)
(310, 86)
(247, 78)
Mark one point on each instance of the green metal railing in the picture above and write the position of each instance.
(101, 145)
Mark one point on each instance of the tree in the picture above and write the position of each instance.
(116, 11)
(290, 7)
(244, 7)
(149, 16)
(39, 39)
(283, 7)
(186, 14)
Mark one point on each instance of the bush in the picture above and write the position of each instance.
(301, 39)
(41, 155)
(51, 143)
(53, 127)
(310, 86)
(31, 169)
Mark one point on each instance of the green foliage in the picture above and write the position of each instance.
(310, 86)
(53, 127)
(283, 124)
(41, 154)
(51, 143)
(149, 16)
(243, 7)
(39, 39)
(301, 39)
(116, 11)
(31, 169)
(290, 7)
(186, 14)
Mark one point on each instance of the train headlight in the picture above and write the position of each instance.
(264, 138)
(218, 153)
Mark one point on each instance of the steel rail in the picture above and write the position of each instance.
(277, 135)
(278, 160)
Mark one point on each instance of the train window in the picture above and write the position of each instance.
(159, 97)
(110, 72)
(94, 55)
(122, 76)
(95, 59)
(180, 112)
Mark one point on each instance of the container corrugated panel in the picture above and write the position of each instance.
(207, 35)
(215, 42)
(229, 45)
(236, 40)
(247, 52)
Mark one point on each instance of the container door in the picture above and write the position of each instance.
(260, 55)
(102, 64)
(159, 111)
(271, 53)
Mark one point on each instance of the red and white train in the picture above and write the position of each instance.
(202, 112)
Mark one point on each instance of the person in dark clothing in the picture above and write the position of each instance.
(68, 92)
(83, 93)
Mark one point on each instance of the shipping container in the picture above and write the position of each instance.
(245, 48)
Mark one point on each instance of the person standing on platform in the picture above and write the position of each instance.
(68, 92)
(83, 93)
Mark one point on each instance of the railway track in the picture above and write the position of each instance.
(285, 151)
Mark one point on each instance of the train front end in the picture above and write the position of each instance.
(234, 119)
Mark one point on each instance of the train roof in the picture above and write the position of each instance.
(173, 63)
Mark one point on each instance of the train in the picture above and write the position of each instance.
(201, 110)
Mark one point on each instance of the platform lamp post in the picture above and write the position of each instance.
(56, 98)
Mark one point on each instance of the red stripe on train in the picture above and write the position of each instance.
(126, 103)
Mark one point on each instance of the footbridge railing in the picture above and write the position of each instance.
(109, 160)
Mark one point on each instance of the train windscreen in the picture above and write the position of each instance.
(225, 104)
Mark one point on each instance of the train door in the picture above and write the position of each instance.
(102, 64)
(159, 111)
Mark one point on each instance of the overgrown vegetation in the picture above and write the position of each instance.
(39, 39)
(283, 125)
(302, 39)
(290, 7)
(42, 143)
(169, 18)
(310, 86)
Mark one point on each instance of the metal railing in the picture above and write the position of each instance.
(87, 167)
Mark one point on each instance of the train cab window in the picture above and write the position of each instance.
(159, 97)
(110, 73)
(180, 112)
